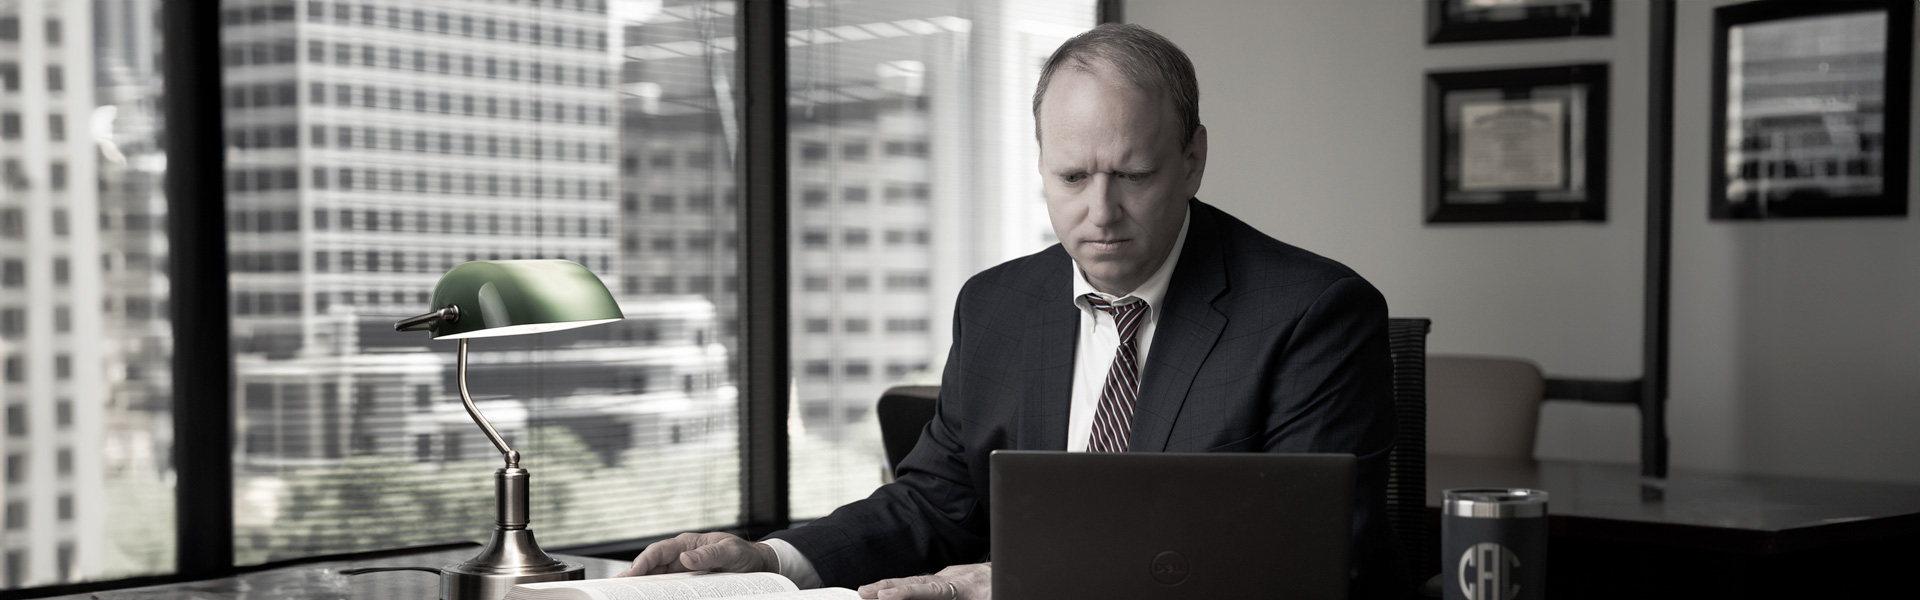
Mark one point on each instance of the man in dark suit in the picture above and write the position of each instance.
(1159, 324)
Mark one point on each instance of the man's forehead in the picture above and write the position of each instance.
(1075, 94)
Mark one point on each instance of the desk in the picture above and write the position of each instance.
(1710, 534)
(323, 580)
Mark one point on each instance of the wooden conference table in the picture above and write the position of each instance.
(1706, 534)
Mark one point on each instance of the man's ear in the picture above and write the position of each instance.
(1196, 159)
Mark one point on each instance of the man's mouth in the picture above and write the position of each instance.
(1107, 244)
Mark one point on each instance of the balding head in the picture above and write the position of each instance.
(1142, 58)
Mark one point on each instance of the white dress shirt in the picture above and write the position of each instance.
(1099, 341)
(1093, 353)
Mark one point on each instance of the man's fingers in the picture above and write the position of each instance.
(702, 559)
(881, 589)
(932, 590)
(662, 556)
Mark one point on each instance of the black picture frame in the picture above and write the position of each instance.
(1810, 149)
(1527, 144)
(1450, 21)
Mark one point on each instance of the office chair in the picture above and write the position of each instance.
(1407, 464)
(904, 412)
(1483, 406)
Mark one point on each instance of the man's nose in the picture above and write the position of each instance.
(1104, 201)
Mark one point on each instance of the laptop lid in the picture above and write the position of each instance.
(1170, 525)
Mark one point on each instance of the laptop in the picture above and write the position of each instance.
(1170, 525)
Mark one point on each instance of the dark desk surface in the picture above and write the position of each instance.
(1702, 510)
(324, 581)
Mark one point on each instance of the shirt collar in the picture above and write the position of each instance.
(1153, 290)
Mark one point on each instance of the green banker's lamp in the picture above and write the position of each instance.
(496, 298)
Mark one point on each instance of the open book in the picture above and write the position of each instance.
(756, 586)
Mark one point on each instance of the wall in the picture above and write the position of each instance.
(1793, 348)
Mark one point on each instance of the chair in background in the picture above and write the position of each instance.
(903, 412)
(1483, 406)
(1407, 463)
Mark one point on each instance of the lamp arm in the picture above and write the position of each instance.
(513, 458)
(450, 314)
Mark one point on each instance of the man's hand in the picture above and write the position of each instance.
(719, 552)
(958, 582)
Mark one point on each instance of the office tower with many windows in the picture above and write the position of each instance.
(138, 340)
(911, 168)
(50, 294)
(371, 147)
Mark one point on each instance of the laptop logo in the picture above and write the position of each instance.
(1169, 568)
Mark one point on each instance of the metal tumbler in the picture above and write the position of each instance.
(1493, 544)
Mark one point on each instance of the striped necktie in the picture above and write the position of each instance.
(1113, 422)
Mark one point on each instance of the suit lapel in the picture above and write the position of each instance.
(1047, 350)
(1185, 334)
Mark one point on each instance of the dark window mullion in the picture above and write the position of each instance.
(202, 365)
(762, 168)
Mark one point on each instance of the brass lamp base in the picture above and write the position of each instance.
(510, 558)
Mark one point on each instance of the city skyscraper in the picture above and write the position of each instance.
(911, 168)
(371, 147)
(50, 291)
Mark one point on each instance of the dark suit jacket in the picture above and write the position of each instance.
(1261, 346)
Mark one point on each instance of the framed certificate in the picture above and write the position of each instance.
(1810, 109)
(1517, 145)
(1482, 20)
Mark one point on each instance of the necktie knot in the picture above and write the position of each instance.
(1126, 317)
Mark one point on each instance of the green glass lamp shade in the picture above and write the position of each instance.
(515, 297)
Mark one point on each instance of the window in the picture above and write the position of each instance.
(388, 187)
(16, 412)
(13, 323)
(16, 515)
(87, 284)
(310, 411)
(866, 136)
(906, 281)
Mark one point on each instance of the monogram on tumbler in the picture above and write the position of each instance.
(1493, 544)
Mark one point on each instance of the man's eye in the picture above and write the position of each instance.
(1134, 177)
(1075, 178)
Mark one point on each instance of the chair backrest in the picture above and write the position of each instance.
(1483, 405)
(1407, 464)
(904, 411)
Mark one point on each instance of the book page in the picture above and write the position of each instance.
(760, 586)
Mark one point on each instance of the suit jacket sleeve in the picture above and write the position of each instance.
(931, 516)
(1333, 394)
